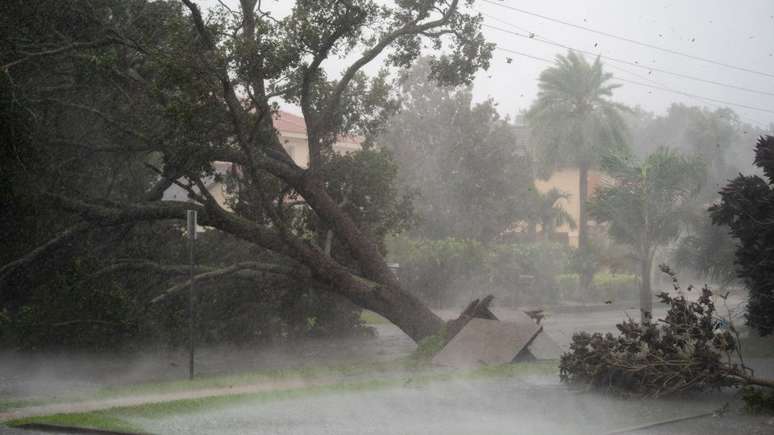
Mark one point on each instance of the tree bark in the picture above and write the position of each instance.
(586, 274)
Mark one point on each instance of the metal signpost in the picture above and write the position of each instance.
(191, 218)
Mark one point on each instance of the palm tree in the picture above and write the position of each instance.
(645, 205)
(574, 123)
(550, 212)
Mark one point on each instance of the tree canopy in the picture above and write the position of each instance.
(644, 205)
(573, 120)
(747, 206)
(460, 158)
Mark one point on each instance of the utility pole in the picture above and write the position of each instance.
(191, 220)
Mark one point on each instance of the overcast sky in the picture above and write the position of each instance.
(739, 33)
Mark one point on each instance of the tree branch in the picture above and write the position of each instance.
(58, 50)
(69, 235)
(411, 28)
(219, 273)
(281, 164)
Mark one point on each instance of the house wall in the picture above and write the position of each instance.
(566, 180)
(296, 146)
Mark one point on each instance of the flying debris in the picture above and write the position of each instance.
(595, 44)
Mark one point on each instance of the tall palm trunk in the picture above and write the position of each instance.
(586, 272)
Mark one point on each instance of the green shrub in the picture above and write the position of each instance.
(758, 401)
(543, 261)
(432, 268)
(439, 271)
(616, 286)
(429, 346)
(604, 287)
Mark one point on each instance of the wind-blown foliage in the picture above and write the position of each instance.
(747, 207)
(644, 205)
(707, 249)
(460, 159)
(687, 351)
(547, 210)
(573, 120)
(574, 123)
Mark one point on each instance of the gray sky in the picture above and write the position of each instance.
(739, 33)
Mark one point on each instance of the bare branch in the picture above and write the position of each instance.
(140, 265)
(65, 237)
(215, 274)
(58, 50)
(411, 28)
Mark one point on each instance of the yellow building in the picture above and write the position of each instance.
(566, 180)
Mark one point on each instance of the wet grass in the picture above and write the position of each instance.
(91, 420)
(371, 318)
(214, 382)
(118, 419)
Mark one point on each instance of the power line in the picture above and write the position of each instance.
(661, 88)
(534, 37)
(704, 100)
(629, 40)
(649, 79)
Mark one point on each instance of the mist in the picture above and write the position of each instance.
(363, 216)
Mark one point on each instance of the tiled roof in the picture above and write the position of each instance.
(289, 123)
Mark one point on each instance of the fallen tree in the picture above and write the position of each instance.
(194, 89)
(690, 349)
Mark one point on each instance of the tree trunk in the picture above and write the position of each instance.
(386, 298)
(586, 273)
(646, 293)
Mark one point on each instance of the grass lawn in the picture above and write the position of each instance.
(371, 318)
(223, 381)
(118, 419)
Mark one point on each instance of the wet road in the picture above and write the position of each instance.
(528, 407)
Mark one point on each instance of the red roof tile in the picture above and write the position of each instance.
(289, 123)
